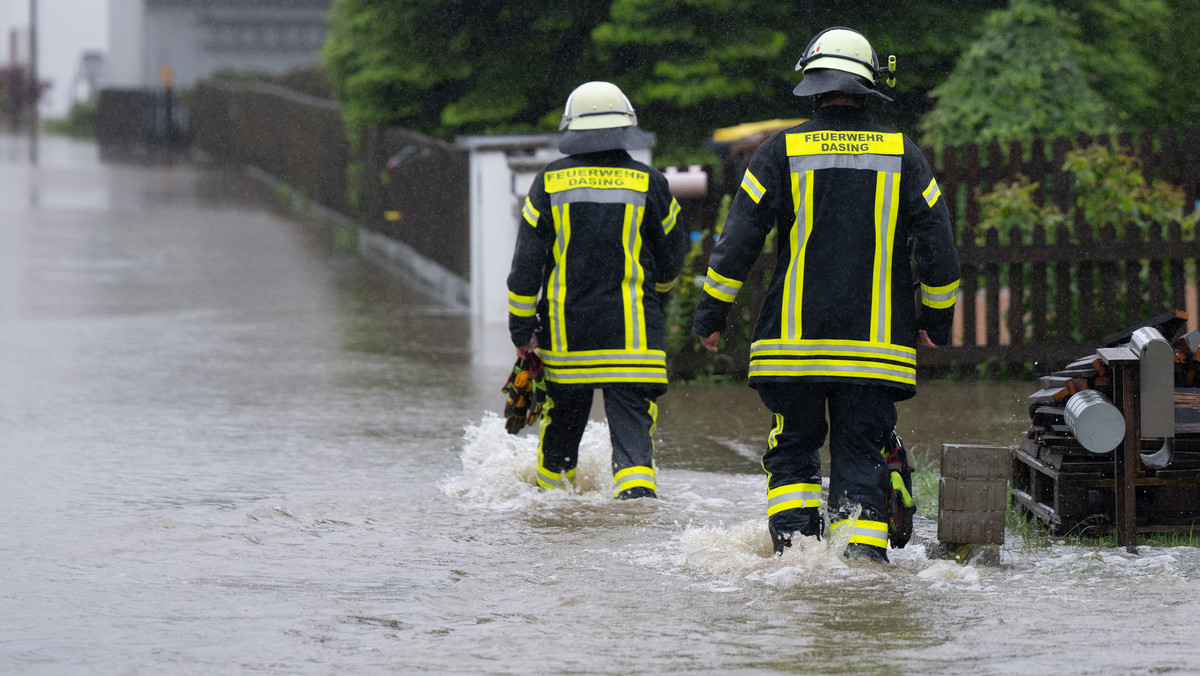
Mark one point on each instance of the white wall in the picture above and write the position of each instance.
(196, 39)
(126, 58)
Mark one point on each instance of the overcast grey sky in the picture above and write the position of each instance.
(66, 28)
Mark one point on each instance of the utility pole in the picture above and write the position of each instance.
(33, 77)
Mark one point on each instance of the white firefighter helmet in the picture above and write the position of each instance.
(598, 105)
(841, 59)
(599, 117)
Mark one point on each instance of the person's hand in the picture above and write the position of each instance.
(923, 339)
(710, 343)
(528, 347)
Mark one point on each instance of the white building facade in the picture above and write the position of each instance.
(184, 41)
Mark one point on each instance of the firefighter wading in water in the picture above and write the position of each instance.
(838, 325)
(599, 241)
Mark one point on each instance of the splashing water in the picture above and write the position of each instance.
(499, 469)
(498, 474)
(703, 550)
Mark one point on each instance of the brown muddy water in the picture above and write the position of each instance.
(227, 446)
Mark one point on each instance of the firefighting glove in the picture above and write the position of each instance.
(526, 393)
(900, 504)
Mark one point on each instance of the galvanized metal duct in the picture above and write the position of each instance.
(1156, 365)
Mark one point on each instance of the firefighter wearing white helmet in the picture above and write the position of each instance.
(841, 60)
(598, 116)
(598, 246)
(838, 330)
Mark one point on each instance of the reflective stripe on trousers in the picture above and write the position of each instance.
(793, 496)
(558, 480)
(631, 477)
(874, 533)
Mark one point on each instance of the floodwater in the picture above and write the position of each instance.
(229, 446)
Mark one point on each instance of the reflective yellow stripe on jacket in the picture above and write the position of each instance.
(632, 291)
(939, 296)
(721, 287)
(669, 222)
(752, 187)
(932, 193)
(556, 286)
(793, 286)
(605, 366)
(522, 306)
(847, 358)
(530, 213)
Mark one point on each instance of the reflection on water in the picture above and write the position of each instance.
(227, 445)
(724, 427)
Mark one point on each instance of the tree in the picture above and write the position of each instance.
(1020, 80)
(1119, 47)
(927, 37)
(692, 66)
(446, 67)
(1175, 57)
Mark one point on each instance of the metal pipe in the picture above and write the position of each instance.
(33, 82)
(1096, 423)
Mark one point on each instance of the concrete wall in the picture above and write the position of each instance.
(412, 211)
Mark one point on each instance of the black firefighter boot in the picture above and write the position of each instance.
(637, 492)
(856, 551)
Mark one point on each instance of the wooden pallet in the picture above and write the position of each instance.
(1079, 497)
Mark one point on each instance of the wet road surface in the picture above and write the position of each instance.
(229, 446)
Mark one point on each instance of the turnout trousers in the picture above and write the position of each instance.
(632, 415)
(860, 417)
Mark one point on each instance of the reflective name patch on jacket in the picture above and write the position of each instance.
(598, 178)
(845, 142)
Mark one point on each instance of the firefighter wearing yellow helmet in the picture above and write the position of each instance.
(838, 329)
(598, 246)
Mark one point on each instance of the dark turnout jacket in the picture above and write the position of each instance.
(598, 241)
(845, 196)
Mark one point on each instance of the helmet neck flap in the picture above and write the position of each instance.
(840, 59)
(597, 117)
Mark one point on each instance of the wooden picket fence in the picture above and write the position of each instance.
(1048, 304)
